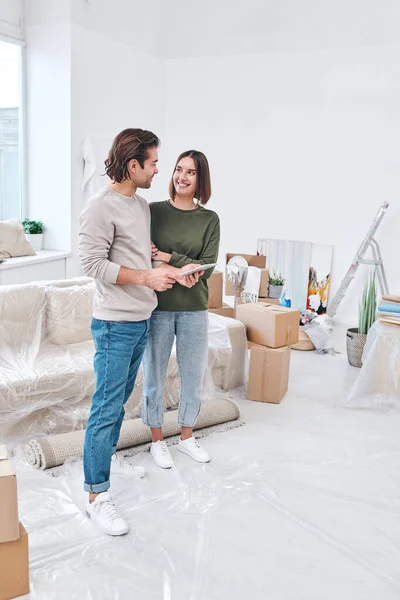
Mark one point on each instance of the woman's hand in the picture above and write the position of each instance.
(154, 250)
(157, 254)
(189, 280)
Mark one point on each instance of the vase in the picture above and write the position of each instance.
(355, 346)
(275, 291)
(35, 240)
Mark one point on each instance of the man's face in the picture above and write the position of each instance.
(144, 177)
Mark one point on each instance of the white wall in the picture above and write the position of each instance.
(295, 104)
(114, 86)
(302, 145)
(48, 74)
(92, 70)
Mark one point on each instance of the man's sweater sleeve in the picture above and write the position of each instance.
(96, 235)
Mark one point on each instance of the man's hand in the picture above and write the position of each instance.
(160, 279)
(189, 280)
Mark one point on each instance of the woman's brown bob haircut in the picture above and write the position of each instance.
(203, 191)
(128, 145)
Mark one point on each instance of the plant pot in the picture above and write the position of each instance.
(275, 291)
(35, 240)
(355, 346)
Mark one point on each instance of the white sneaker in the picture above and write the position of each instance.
(161, 455)
(106, 515)
(193, 449)
(119, 465)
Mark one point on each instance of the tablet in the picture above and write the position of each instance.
(197, 269)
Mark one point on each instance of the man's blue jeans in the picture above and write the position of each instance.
(119, 349)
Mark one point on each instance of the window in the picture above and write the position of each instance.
(10, 131)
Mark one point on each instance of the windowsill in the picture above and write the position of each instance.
(40, 257)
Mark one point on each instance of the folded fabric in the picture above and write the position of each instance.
(252, 285)
(389, 315)
(391, 308)
(391, 298)
(389, 321)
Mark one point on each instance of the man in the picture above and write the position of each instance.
(115, 249)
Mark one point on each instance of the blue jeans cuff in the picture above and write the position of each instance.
(97, 488)
(153, 425)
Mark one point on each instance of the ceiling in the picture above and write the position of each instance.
(194, 28)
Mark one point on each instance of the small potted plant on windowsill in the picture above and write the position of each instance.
(275, 285)
(357, 336)
(34, 233)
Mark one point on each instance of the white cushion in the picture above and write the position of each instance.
(21, 318)
(13, 241)
(69, 313)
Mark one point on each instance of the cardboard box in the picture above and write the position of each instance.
(253, 261)
(9, 526)
(215, 290)
(269, 325)
(14, 567)
(268, 300)
(263, 290)
(268, 373)
(224, 311)
(271, 301)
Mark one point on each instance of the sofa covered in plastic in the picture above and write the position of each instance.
(46, 358)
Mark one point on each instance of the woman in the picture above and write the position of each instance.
(183, 233)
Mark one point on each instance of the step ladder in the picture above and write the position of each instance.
(368, 242)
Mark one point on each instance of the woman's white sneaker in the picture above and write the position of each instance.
(161, 455)
(119, 465)
(192, 448)
(106, 516)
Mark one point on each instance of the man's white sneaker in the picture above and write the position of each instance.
(106, 515)
(193, 449)
(119, 465)
(161, 455)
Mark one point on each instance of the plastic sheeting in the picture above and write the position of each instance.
(46, 358)
(301, 503)
(378, 384)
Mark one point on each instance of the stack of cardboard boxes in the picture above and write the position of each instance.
(271, 330)
(215, 304)
(14, 562)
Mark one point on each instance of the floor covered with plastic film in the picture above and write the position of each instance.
(302, 502)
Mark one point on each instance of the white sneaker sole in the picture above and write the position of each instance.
(197, 459)
(162, 466)
(113, 533)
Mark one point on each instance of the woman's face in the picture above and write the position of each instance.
(185, 177)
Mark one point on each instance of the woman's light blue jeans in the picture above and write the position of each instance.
(191, 331)
(119, 351)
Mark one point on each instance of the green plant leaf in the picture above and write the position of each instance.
(32, 227)
(368, 305)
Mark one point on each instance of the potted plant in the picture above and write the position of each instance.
(275, 285)
(34, 233)
(357, 336)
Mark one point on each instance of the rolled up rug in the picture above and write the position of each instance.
(54, 450)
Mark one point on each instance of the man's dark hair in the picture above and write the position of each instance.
(128, 145)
